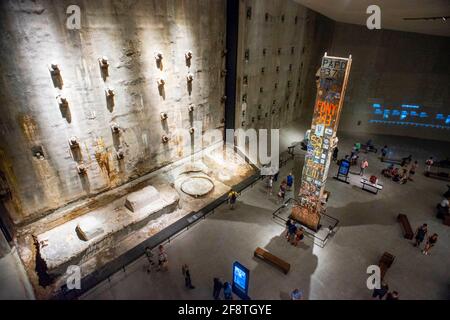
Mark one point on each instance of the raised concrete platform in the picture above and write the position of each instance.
(79, 239)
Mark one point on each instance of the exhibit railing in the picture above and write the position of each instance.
(164, 236)
(327, 224)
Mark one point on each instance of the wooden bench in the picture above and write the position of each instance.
(393, 161)
(438, 175)
(267, 256)
(385, 263)
(406, 226)
(366, 183)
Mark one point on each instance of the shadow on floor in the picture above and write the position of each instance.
(303, 264)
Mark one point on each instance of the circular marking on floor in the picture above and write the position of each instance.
(197, 186)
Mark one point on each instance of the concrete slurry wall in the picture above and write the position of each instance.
(129, 33)
(272, 34)
(393, 68)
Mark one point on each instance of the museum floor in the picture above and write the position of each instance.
(367, 228)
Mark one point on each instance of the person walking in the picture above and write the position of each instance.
(364, 165)
(430, 244)
(187, 276)
(232, 197)
(420, 234)
(381, 292)
(217, 288)
(227, 291)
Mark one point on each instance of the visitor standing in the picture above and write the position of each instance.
(429, 163)
(227, 291)
(187, 276)
(335, 153)
(364, 165)
(162, 258)
(354, 159)
(288, 224)
(299, 235)
(232, 197)
(289, 181)
(353, 153)
(296, 294)
(291, 233)
(217, 288)
(420, 234)
(430, 244)
(381, 292)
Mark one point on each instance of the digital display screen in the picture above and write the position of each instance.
(408, 115)
(240, 279)
(344, 167)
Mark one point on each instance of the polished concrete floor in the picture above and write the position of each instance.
(367, 229)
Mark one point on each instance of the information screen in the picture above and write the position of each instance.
(344, 167)
(240, 278)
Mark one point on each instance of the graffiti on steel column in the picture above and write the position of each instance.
(330, 90)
